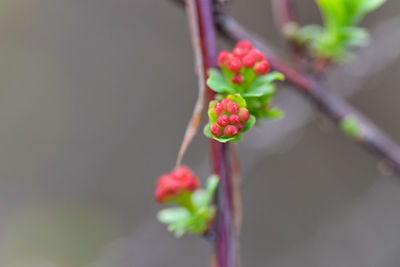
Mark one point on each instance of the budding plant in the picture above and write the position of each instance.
(194, 211)
(240, 96)
(244, 90)
(339, 32)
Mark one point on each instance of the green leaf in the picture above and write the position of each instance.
(212, 103)
(370, 5)
(238, 99)
(333, 12)
(198, 197)
(172, 215)
(218, 83)
(212, 184)
(263, 85)
(264, 89)
(274, 113)
(249, 124)
(339, 32)
(355, 36)
(203, 198)
(181, 227)
(307, 33)
(268, 78)
(212, 115)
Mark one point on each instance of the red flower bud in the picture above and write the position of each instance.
(257, 55)
(261, 68)
(244, 115)
(234, 65)
(248, 61)
(171, 185)
(240, 126)
(245, 45)
(226, 101)
(233, 108)
(216, 130)
(231, 130)
(187, 180)
(223, 120)
(239, 52)
(166, 188)
(223, 58)
(219, 108)
(234, 119)
(237, 79)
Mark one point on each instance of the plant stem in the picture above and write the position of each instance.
(225, 242)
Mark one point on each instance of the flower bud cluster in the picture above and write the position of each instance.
(230, 118)
(243, 57)
(171, 185)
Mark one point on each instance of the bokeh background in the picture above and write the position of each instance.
(95, 96)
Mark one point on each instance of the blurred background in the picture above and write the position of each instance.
(95, 96)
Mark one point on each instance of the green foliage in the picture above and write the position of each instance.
(238, 99)
(218, 83)
(181, 220)
(257, 92)
(263, 85)
(339, 33)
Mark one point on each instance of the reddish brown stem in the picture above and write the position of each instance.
(225, 245)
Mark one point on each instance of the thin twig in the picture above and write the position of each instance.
(370, 137)
(195, 120)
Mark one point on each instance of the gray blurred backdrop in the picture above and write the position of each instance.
(95, 95)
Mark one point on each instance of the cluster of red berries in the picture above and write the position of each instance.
(231, 118)
(171, 185)
(244, 56)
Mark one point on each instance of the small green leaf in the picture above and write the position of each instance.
(212, 115)
(268, 78)
(370, 5)
(333, 12)
(203, 198)
(234, 139)
(264, 89)
(212, 103)
(274, 113)
(198, 197)
(238, 99)
(218, 83)
(339, 32)
(307, 33)
(212, 184)
(355, 36)
(263, 85)
(249, 124)
(171, 215)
